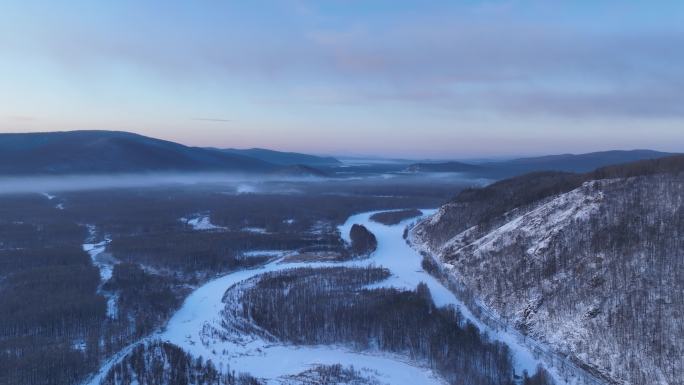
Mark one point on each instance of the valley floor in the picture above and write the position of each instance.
(195, 326)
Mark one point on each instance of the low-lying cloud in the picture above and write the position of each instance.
(52, 184)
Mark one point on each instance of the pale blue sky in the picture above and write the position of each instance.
(393, 78)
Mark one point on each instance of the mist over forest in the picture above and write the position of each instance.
(332, 192)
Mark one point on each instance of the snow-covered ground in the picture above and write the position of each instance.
(104, 263)
(50, 197)
(256, 230)
(193, 326)
(95, 251)
(540, 225)
(407, 272)
(200, 222)
(266, 253)
(202, 314)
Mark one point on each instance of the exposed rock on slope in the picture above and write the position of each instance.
(593, 267)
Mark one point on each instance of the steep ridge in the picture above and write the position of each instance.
(588, 264)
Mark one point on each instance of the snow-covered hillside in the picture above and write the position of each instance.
(592, 273)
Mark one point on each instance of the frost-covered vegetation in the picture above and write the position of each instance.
(394, 217)
(59, 318)
(50, 314)
(332, 375)
(332, 306)
(164, 363)
(591, 271)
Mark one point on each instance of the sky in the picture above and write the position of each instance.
(422, 79)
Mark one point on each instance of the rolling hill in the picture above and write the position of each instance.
(285, 158)
(564, 162)
(97, 152)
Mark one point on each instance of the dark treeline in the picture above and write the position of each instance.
(541, 377)
(330, 306)
(331, 375)
(146, 299)
(162, 363)
(363, 242)
(145, 226)
(298, 209)
(50, 314)
(197, 251)
(395, 217)
(54, 327)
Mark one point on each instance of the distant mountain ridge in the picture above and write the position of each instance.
(285, 158)
(564, 162)
(104, 152)
(445, 167)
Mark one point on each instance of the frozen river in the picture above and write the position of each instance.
(202, 312)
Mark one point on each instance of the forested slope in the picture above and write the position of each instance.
(590, 264)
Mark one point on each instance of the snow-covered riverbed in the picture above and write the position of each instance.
(201, 313)
(104, 264)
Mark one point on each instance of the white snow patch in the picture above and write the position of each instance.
(266, 253)
(112, 306)
(79, 344)
(540, 224)
(95, 251)
(50, 197)
(319, 228)
(200, 222)
(257, 230)
(245, 189)
(104, 263)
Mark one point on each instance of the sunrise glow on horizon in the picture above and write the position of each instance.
(410, 79)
